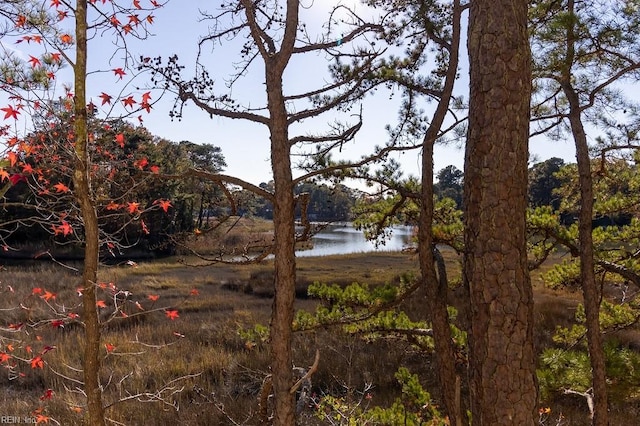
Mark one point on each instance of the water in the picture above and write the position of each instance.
(345, 239)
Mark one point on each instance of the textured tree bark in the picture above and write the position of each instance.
(502, 360)
(285, 265)
(284, 226)
(82, 188)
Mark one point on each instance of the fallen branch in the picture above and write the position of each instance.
(308, 374)
(587, 395)
(267, 387)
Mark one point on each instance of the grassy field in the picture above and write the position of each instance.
(198, 368)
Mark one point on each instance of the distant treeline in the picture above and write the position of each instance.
(195, 202)
(326, 203)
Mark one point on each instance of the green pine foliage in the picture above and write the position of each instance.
(413, 407)
(569, 369)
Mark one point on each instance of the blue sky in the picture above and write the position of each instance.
(246, 145)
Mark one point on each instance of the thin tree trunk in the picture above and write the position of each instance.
(436, 287)
(82, 189)
(590, 291)
(284, 225)
(502, 359)
(285, 265)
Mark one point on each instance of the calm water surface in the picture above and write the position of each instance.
(345, 239)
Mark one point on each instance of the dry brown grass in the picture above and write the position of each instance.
(202, 347)
(232, 237)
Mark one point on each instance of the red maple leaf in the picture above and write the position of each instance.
(21, 21)
(141, 163)
(119, 72)
(194, 292)
(101, 304)
(129, 101)
(144, 227)
(146, 97)
(110, 348)
(48, 295)
(64, 229)
(41, 418)
(36, 290)
(55, 57)
(55, 3)
(153, 297)
(113, 206)
(120, 140)
(37, 362)
(133, 207)
(13, 158)
(136, 4)
(133, 19)
(114, 21)
(48, 394)
(150, 19)
(172, 314)
(61, 187)
(155, 169)
(4, 175)
(164, 204)
(106, 99)
(15, 179)
(35, 62)
(57, 323)
(66, 39)
(10, 111)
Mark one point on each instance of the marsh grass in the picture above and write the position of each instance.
(197, 369)
(234, 236)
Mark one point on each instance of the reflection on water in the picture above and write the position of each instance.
(345, 239)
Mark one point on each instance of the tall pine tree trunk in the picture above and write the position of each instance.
(502, 360)
(285, 265)
(283, 221)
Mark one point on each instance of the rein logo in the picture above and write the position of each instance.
(17, 420)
